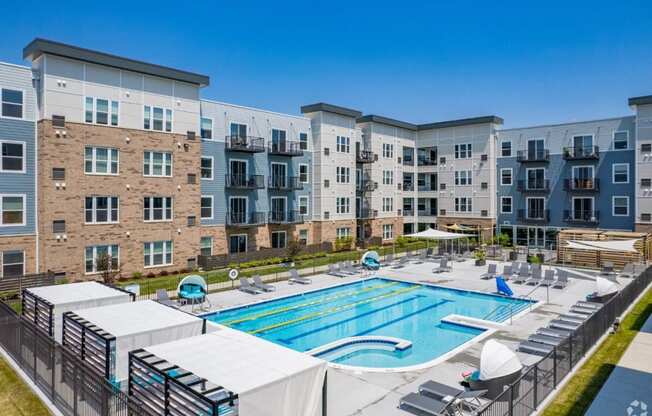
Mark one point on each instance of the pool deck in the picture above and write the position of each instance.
(378, 393)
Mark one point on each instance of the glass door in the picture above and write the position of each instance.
(583, 177)
(536, 178)
(535, 208)
(535, 149)
(238, 210)
(278, 209)
(238, 172)
(279, 179)
(582, 209)
(279, 143)
(535, 237)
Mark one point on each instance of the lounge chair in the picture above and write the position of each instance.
(562, 279)
(563, 324)
(536, 278)
(163, 298)
(332, 271)
(552, 332)
(259, 284)
(402, 262)
(421, 258)
(443, 392)
(347, 268)
(628, 271)
(589, 305)
(426, 405)
(573, 318)
(545, 339)
(246, 287)
(548, 278)
(443, 267)
(389, 260)
(507, 272)
(491, 272)
(523, 273)
(607, 267)
(295, 278)
(582, 311)
(535, 348)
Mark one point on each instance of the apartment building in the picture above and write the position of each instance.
(642, 107)
(18, 158)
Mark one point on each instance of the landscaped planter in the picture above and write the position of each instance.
(481, 262)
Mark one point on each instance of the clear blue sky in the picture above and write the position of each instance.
(418, 61)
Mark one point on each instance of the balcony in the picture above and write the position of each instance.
(582, 217)
(428, 188)
(244, 219)
(581, 153)
(282, 183)
(427, 213)
(367, 185)
(285, 148)
(582, 185)
(247, 144)
(526, 156)
(408, 186)
(366, 213)
(245, 181)
(283, 217)
(408, 161)
(424, 161)
(534, 217)
(365, 156)
(408, 212)
(533, 187)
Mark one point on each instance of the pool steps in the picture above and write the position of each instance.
(399, 344)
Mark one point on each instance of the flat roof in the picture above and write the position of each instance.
(76, 292)
(330, 108)
(461, 122)
(388, 121)
(39, 46)
(644, 99)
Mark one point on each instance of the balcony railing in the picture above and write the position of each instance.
(427, 213)
(408, 186)
(282, 183)
(424, 161)
(533, 186)
(428, 188)
(581, 153)
(244, 219)
(582, 185)
(525, 156)
(245, 181)
(366, 213)
(408, 162)
(367, 185)
(285, 217)
(581, 216)
(538, 216)
(285, 148)
(408, 212)
(365, 156)
(248, 144)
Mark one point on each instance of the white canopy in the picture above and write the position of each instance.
(77, 296)
(496, 360)
(141, 324)
(432, 234)
(606, 286)
(609, 245)
(270, 380)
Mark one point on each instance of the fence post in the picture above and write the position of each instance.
(75, 389)
(554, 367)
(536, 386)
(570, 351)
(511, 400)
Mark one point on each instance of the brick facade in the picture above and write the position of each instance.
(377, 227)
(26, 244)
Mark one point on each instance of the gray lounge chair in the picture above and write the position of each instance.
(562, 279)
(443, 392)
(389, 260)
(562, 324)
(607, 267)
(426, 405)
(246, 287)
(163, 298)
(491, 272)
(332, 271)
(421, 258)
(443, 267)
(507, 272)
(402, 262)
(523, 273)
(259, 284)
(295, 278)
(535, 348)
(548, 278)
(346, 267)
(573, 318)
(628, 271)
(536, 278)
(552, 332)
(545, 339)
(586, 304)
(582, 311)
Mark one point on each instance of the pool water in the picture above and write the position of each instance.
(377, 306)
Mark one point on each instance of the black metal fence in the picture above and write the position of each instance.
(524, 396)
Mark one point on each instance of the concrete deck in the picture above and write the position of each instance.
(378, 393)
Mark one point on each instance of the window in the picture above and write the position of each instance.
(388, 177)
(388, 204)
(620, 173)
(12, 103)
(505, 204)
(101, 161)
(506, 176)
(13, 263)
(279, 239)
(506, 149)
(343, 205)
(158, 253)
(206, 128)
(238, 130)
(157, 164)
(206, 207)
(388, 150)
(12, 210)
(303, 173)
(206, 246)
(93, 253)
(101, 111)
(101, 209)
(13, 156)
(343, 232)
(620, 205)
(536, 178)
(463, 151)
(237, 243)
(621, 140)
(463, 205)
(303, 141)
(157, 208)
(343, 175)
(536, 208)
(388, 231)
(303, 205)
(157, 118)
(303, 237)
(343, 144)
(207, 168)
(463, 177)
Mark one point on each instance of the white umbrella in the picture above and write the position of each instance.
(496, 360)
(606, 286)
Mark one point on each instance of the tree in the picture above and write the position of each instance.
(108, 270)
(293, 249)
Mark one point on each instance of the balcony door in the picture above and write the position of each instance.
(279, 175)
(536, 208)
(535, 149)
(238, 210)
(536, 178)
(238, 134)
(535, 237)
(583, 209)
(278, 209)
(238, 172)
(583, 177)
(583, 145)
(279, 142)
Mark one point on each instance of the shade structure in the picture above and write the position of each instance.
(626, 246)
(46, 305)
(605, 286)
(496, 360)
(268, 379)
(103, 336)
(432, 234)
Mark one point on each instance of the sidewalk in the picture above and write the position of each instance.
(628, 391)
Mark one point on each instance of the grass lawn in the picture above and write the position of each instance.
(16, 398)
(576, 397)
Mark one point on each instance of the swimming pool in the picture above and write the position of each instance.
(377, 306)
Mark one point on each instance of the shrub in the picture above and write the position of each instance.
(150, 275)
(163, 273)
(136, 275)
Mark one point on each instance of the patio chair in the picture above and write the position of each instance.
(402, 262)
(535, 348)
(246, 287)
(332, 271)
(562, 279)
(607, 267)
(491, 272)
(427, 405)
(443, 392)
(163, 298)
(523, 273)
(507, 272)
(342, 267)
(259, 284)
(552, 332)
(548, 278)
(295, 278)
(591, 305)
(581, 311)
(536, 278)
(422, 258)
(573, 318)
(389, 260)
(545, 339)
(628, 271)
(349, 268)
(562, 324)
(443, 267)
